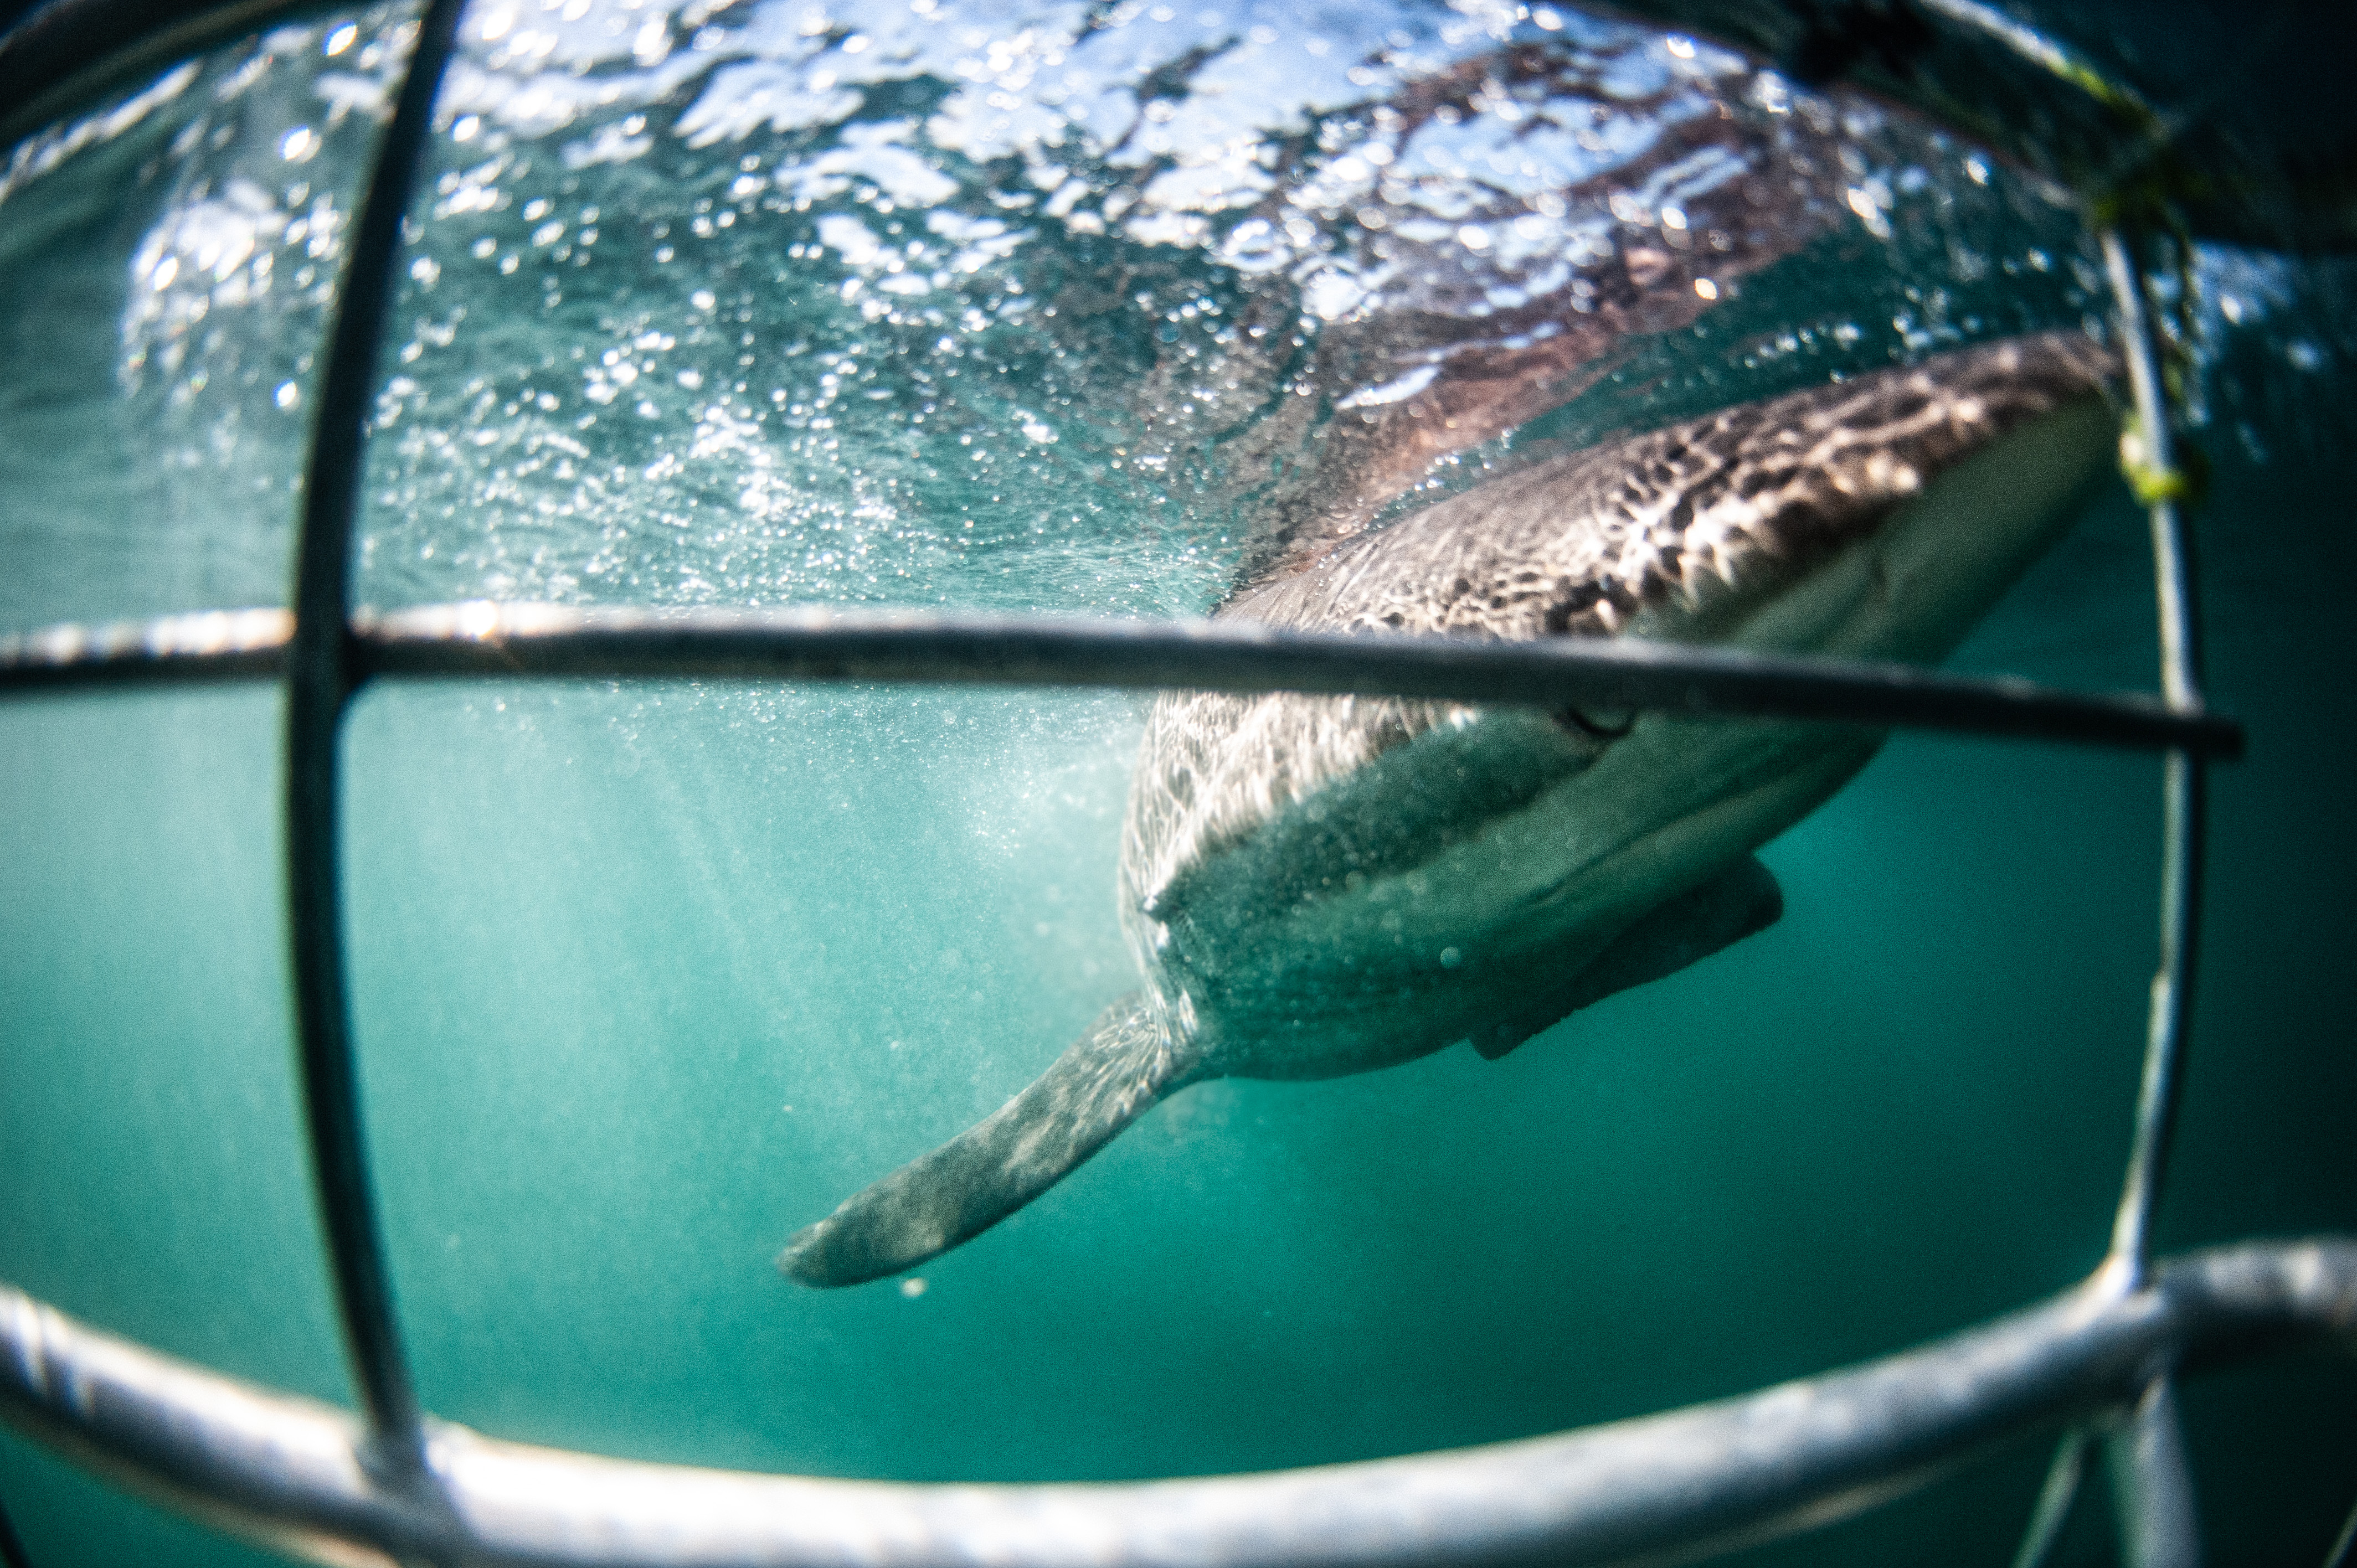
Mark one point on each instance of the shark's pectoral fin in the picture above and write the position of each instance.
(1114, 1073)
(1737, 902)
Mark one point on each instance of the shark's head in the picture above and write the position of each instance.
(1286, 852)
(1961, 467)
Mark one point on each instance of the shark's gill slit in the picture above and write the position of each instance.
(1314, 886)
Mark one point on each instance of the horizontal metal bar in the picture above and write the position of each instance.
(296, 1474)
(812, 644)
(1235, 656)
(207, 645)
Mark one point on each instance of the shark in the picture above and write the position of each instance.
(1320, 886)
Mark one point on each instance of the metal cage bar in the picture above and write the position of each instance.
(2052, 1511)
(206, 645)
(295, 1473)
(2152, 1483)
(319, 684)
(807, 644)
(2337, 1555)
(2183, 786)
(403, 1487)
(68, 52)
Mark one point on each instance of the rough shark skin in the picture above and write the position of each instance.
(1321, 886)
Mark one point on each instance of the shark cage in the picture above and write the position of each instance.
(2145, 182)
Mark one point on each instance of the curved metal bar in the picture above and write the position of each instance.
(291, 1471)
(2151, 1479)
(2336, 1555)
(2184, 790)
(2184, 785)
(820, 644)
(2154, 461)
(812, 644)
(67, 53)
(492, 639)
(319, 682)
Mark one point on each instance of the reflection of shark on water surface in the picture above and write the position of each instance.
(1323, 885)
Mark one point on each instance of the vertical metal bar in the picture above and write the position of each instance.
(2159, 480)
(2151, 1482)
(2183, 788)
(320, 686)
(2152, 1486)
(2338, 1553)
(2054, 1500)
(2183, 784)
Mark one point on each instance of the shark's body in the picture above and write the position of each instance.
(1322, 886)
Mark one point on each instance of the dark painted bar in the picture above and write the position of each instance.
(206, 645)
(811, 645)
(484, 639)
(319, 682)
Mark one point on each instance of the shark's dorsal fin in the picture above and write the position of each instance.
(1121, 1068)
(1738, 902)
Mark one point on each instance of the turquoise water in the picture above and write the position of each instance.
(646, 976)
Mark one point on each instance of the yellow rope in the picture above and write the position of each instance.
(2152, 482)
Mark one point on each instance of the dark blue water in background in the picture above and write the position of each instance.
(646, 976)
